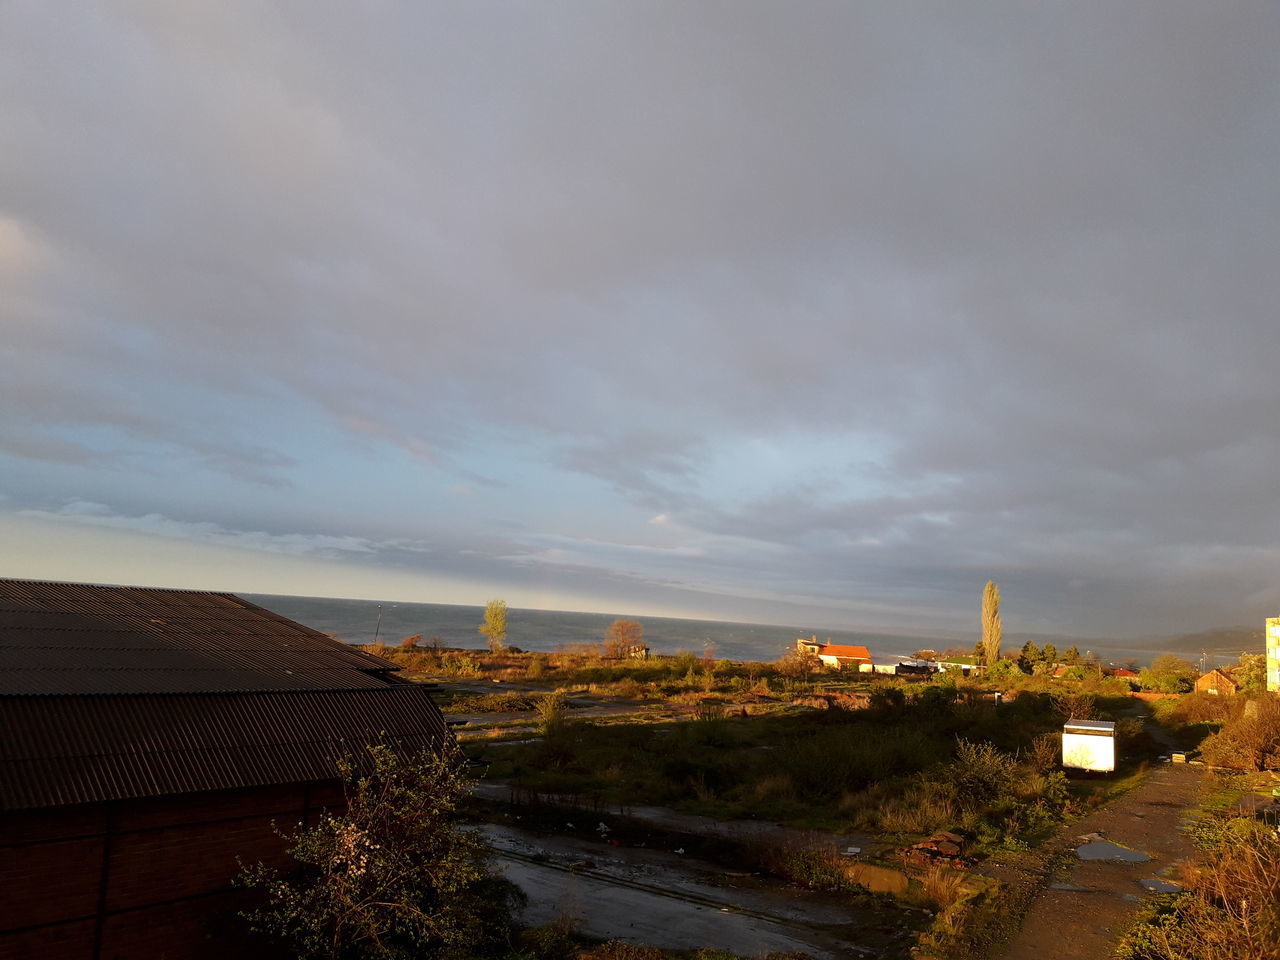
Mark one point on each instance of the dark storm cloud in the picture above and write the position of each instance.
(996, 280)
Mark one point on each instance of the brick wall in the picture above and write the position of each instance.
(141, 878)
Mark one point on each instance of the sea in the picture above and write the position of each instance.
(546, 631)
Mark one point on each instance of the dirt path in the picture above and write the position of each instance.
(1080, 912)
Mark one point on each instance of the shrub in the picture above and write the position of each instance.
(1075, 706)
(628, 689)
(1199, 708)
(1003, 671)
(553, 714)
(812, 865)
(709, 724)
(797, 664)
(922, 808)
(389, 877)
(981, 775)
(682, 664)
(1230, 912)
(537, 668)
(1044, 751)
(1250, 740)
(459, 665)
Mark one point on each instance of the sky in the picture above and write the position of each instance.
(741, 310)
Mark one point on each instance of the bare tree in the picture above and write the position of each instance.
(622, 636)
(798, 664)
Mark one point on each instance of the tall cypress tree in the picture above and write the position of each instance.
(991, 628)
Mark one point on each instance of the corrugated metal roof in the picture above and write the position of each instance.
(80, 639)
(43, 682)
(108, 693)
(80, 749)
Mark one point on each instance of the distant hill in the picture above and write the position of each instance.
(1219, 640)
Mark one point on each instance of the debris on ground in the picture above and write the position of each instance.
(943, 847)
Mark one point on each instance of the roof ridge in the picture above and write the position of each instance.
(126, 586)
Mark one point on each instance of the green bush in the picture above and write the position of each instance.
(389, 877)
(553, 714)
(981, 776)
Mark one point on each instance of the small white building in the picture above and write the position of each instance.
(1089, 745)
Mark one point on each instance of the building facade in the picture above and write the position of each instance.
(149, 742)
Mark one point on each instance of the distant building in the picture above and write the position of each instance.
(1089, 745)
(914, 667)
(964, 667)
(843, 656)
(1273, 654)
(1219, 683)
(838, 655)
(148, 739)
(809, 644)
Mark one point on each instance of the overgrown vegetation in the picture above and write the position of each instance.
(391, 876)
(555, 942)
(1250, 736)
(916, 759)
(1230, 909)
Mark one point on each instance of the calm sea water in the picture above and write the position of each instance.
(356, 621)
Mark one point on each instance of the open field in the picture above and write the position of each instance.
(774, 774)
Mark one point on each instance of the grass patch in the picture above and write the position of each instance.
(512, 702)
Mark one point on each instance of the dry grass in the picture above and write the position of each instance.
(916, 810)
(778, 786)
(1230, 912)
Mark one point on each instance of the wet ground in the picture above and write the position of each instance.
(1100, 849)
(742, 831)
(668, 899)
(1122, 854)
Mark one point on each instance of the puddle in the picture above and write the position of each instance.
(1156, 885)
(1106, 850)
(660, 898)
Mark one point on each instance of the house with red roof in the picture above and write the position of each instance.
(838, 655)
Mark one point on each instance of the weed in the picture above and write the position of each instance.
(552, 715)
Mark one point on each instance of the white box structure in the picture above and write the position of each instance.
(1089, 745)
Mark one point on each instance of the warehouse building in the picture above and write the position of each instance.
(150, 738)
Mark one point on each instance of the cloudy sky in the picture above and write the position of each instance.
(808, 311)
